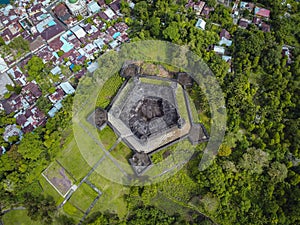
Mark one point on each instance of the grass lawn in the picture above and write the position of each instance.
(49, 190)
(181, 104)
(18, 217)
(168, 206)
(59, 177)
(112, 198)
(122, 153)
(72, 211)
(107, 137)
(194, 112)
(108, 91)
(83, 197)
(162, 154)
(154, 81)
(205, 120)
(72, 160)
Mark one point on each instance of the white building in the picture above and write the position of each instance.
(78, 31)
(201, 24)
(77, 7)
(67, 87)
(225, 41)
(219, 50)
(93, 7)
(110, 14)
(4, 80)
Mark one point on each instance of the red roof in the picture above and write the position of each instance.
(56, 44)
(262, 12)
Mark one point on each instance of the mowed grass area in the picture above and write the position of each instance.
(112, 198)
(154, 81)
(182, 107)
(206, 121)
(109, 90)
(72, 211)
(122, 153)
(18, 217)
(162, 154)
(49, 190)
(72, 160)
(107, 137)
(59, 177)
(193, 112)
(83, 197)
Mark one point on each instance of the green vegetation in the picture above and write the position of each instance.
(48, 189)
(72, 211)
(18, 217)
(113, 195)
(108, 91)
(39, 72)
(17, 47)
(122, 153)
(72, 161)
(107, 137)
(83, 197)
(169, 151)
(154, 81)
(182, 107)
(256, 175)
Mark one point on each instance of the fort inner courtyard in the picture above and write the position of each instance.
(147, 115)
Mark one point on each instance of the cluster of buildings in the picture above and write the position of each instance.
(203, 12)
(64, 34)
(255, 15)
(243, 14)
(61, 27)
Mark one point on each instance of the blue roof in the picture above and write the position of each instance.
(117, 34)
(72, 66)
(67, 46)
(67, 87)
(51, 23)
(52, 112)
(58, 105)
(94, 7)
(55, 54)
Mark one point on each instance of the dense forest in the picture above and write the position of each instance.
(256, 177)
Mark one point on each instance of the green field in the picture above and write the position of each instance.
(83, 197)
(72, 211)
(73, 161)
(121, 152)
(18, 217)
(49, 190)
(181, 103)
(59, 177)
(194, 112)
(107, 137)
(112, 198)
(110, 88)
(154, 81)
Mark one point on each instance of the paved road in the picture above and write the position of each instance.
(8, 210)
